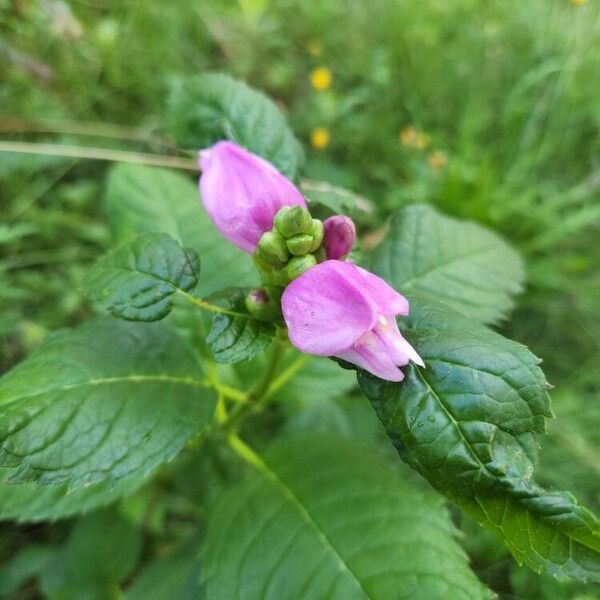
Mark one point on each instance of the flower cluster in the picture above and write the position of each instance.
(330, 306)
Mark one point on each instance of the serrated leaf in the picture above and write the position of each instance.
(137, 280)
(456, 262)
(29, 502)
(100, 402)
(237, 336)
(146, 199)
(470, 424)
(210, 107)
(326, 518)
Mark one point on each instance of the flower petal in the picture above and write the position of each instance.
(370, 353)
(399, 350)
(386, 300)
(242, 193)
(325, 309)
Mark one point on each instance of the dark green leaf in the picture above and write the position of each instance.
(237, 336)
(213, 106)
(470, 423)
(327, 518)
(100, 402)
(146, 199)
(460, 263)
(137, 280)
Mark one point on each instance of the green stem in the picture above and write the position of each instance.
(90, 128)
(141, 158)
(257, 395)
(212, 307)
(286, 375)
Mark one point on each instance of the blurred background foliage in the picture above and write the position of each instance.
(488, 109)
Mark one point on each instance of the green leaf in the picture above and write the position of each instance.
(147, 199)
(100, 402)
(327, 518)
(210, 107)
(28, 502)
(137, 280)
(169, 577)
(316, 380)
(237, 336)
(23, 567)
(460, 263)
(337, 200)
(572, 447)
(102, 549)
(306, 378)
(470, 424)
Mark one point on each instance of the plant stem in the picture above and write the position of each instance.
(257, 395)
(229, 392)
(286, 375)
(141, 158)
(258, 392)
(212, 307)
(90, 128)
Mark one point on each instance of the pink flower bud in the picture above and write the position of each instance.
(242, 193)
(338, 309)
(340, 234)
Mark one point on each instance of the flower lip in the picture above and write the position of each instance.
(339, 309)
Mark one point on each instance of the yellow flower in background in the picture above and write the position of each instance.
(320, 78)
(579, 2)
(437, 160)
(413, 138)
(319, 138)
(314, 48)
(408, 136)
(422, 140)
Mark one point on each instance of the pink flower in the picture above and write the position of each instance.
(339, 236)
(242, 193)
(338, 309)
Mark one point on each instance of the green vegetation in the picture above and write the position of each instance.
(487, 109)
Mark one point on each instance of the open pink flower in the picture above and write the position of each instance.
(242, 193)
(338, 309)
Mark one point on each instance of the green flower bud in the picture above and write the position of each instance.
(276, 277)
(261, 263)
(321, 254)
(264, 303)
(272, 248)
(291, 220)
(300, 264)
(316, 230)
(300, 244)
